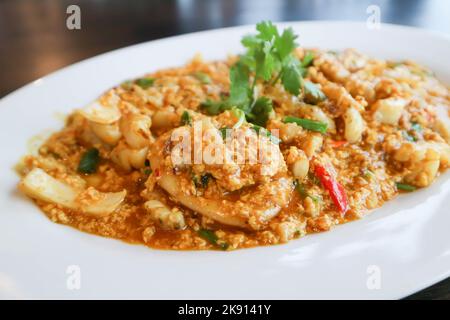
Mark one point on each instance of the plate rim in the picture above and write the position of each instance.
(433, 33)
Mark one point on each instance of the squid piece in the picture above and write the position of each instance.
(332, 68)
(108, 133)
(423, 161)
(258, 207)
(168, 219)
(165, 119)
(354, 125)
(104, 111)
(136, 130)
(298, 162)
(39, 185)
(128, 158)
(389, 111)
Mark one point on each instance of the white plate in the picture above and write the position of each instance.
(406, 243)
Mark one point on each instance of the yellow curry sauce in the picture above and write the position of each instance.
(384, 132)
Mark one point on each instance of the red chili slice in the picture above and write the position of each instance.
(337, 144)
(333, 187)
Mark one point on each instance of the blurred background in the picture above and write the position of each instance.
(34, 38)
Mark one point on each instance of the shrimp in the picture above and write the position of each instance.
(251, 206)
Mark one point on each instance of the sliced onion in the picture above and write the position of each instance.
(39, 185)
(107, 203)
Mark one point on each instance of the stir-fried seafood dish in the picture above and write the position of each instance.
(262, 148)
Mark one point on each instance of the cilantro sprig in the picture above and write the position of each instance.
(270, 58)
(270, 55)
(212, 238)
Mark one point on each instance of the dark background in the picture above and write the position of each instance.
(34, 39)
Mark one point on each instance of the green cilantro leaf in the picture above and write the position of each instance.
(240, 115)
(291, 75)
(307, 59)
(202, 77)
(285, 44)
(250, 41)
(89, 161)
(270, 55)
(305, 63)
(186, 119)
(240, 92)
(265, 61)
(145, 83)
(212, 238)
(213, 107)
(260, 111)
(267, 30)
(239, 87)
(313, 94)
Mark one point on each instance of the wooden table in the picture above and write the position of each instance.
(34, 39)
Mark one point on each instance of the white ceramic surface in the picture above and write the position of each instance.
(407, 240)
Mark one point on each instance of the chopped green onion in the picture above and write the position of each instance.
(202, 77)
(212, 238)
(145, 83)
(186, 119)
(300, 188)
(127, 85)
(223, 132)
(405, 187)
(89, 161)
(148, 172)
(307, 124)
